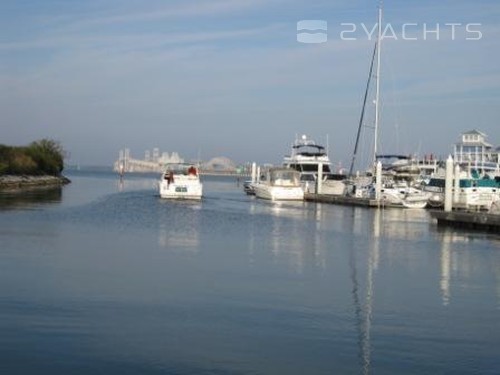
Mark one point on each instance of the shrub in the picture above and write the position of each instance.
(48, 155)
(40, 157)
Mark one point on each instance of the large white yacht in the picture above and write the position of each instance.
(181, 181)
(305, 157)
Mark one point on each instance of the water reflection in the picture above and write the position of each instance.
(30, 198)
(460, 262)
(444, 283)
(290, 238)
(373, 262)
(294, 232)
(136, 183)
(179, 225)
(404, 223)
(363, 307)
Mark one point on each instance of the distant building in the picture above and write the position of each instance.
(174, 158)
(152, 161)
(473, 149)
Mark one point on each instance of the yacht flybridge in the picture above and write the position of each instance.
(308, 158)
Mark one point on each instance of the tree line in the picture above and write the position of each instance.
(43, 157)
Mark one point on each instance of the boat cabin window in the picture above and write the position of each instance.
(314, 168)
(281, 177)
(336, 177)
(307, 177)
(438, 182)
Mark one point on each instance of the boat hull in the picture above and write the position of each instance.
(409, 203)
(277, 193)
(192, 190)
(181, 181)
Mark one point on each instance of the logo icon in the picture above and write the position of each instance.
(312, 31)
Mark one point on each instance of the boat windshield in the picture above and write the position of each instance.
(186, 169)
(437, 182)
(284, 177)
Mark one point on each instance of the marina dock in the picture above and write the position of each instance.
(340, 199)
(474, 220)
(348, 201)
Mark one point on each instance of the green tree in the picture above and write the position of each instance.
(48, 155)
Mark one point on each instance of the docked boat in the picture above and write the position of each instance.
(406, 196)
(395, 194)
(181, 181)
(306, 157)
(248, 187)
(279, 184)
(480, 193)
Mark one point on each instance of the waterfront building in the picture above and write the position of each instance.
(474, 149)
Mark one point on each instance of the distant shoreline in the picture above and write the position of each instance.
(14, 182)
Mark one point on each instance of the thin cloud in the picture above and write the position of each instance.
(185, 9)
(137, 41)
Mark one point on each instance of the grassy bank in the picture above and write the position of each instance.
(38, 164)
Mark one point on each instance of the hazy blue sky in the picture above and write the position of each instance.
(228, 77)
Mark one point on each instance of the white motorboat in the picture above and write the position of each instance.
(306, 157)
(406, 196)
(181, 181)
(393, 194)
(473, 193)
(279, 184)
(248, 187)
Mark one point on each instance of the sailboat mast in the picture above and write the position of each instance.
(360, 125)
(377, 89)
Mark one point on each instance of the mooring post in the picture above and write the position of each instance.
(254, 172)
(456, 185)
(319, 182)
(378, 181)
(448, 185)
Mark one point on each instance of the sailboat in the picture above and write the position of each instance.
(389, 192)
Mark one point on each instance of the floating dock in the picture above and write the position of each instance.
(473, 220)
(347, 201)
(340, 199)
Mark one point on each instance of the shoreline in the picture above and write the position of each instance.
(13, 182)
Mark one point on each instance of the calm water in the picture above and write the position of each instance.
(105, 278)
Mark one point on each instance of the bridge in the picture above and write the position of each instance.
(219, 165)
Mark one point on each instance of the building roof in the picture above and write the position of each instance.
(474, 132)
(479, 144)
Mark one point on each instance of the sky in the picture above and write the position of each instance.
(228, 78)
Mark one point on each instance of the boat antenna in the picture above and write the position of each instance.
(327, 144)
(361, 118)
(377, 89)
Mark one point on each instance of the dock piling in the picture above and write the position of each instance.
(378, 181)
(319, 181)
(448, 185)
(456, 185)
